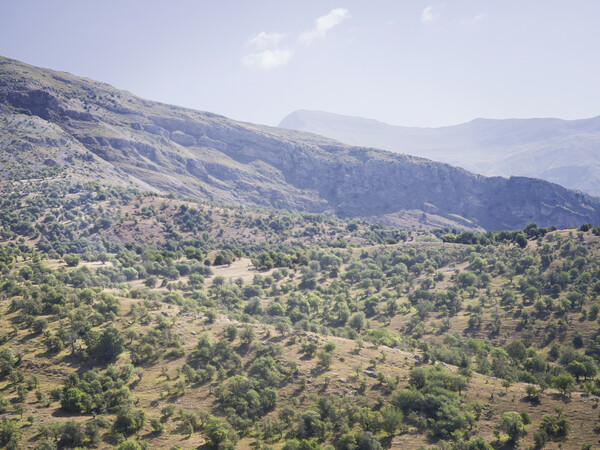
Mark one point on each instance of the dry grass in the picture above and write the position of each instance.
(240, 268)
(342, 379)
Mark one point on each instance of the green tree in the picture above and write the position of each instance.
(151, 281)
(516, 350)
(392, 419)
(71, 260)
(368, 441)
(311, 425)
(230, 332)
(218, 433)
(75, 400)
(466, 279)
(224, 257)
(512, 424)
(110, 345)
(533, 394)
(564, 383)
(555, 426)
(10, 433)
(247, 335)
(129, 421)
(39, 325)
(129, 444)
(325, 360)
(577, 369)
(478, 444)
(73, 435)
(26, 272)
(3, 404)
(157, 426)
(46, 444)
(358, 321)
(521, 240)
(478, 264)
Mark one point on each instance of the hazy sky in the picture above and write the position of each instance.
(415, 63)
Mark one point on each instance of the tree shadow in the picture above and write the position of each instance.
(565, 398)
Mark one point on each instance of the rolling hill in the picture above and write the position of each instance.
(136, 320)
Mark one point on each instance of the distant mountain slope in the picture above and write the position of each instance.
(566, 152)
(55, 124)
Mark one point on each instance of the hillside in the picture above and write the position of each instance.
(566, 152)
(54, 124)
(134, 319)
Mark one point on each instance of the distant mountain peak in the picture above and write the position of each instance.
(566, 152)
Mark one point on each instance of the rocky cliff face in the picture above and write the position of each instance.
(94, 131)
(566, 152)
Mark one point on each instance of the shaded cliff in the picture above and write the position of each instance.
(566, 152)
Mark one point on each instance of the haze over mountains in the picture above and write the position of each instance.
(566, 152)
(53, 122)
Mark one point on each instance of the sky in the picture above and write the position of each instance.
(404, 62)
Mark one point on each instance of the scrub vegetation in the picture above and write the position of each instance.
(134, 320)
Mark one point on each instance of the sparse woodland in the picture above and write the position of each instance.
(134, 320)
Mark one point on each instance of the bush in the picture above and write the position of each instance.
(39, 325)
(129, 421)
(10, 433)
(151, 281)
(74, 400)
(533, 395)
(368, 441)
(219, 433)
(512, 424)
(46, 444)
(564, 383)
(325, 360)
(157, 427)
(3, 404)
(555, 426)
(72, 436)
(110, 345)
(129, 444)
(71, 260)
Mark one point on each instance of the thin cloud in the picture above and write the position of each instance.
(267, 55)
(324, 24)
(267, 59)
(431, 14)
(264, 40)
(477, 20)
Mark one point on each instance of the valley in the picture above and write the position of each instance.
(172, 278)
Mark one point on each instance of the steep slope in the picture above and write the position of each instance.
(566, 152)
(54, 123)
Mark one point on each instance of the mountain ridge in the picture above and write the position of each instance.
(566, 152)
(53, 121)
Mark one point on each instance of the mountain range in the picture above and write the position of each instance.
(53, 124)
(566, 152)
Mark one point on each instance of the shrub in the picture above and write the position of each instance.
(129, 444)
(512, 424)
(71, 260)
(129, 421)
